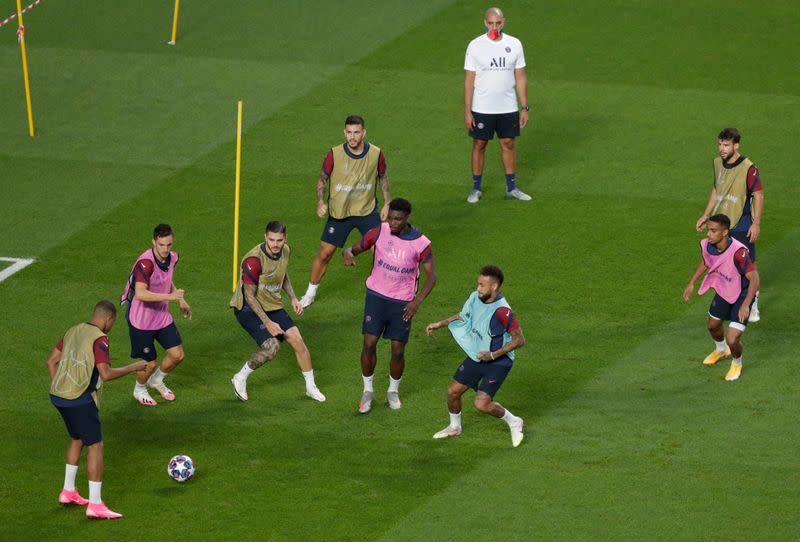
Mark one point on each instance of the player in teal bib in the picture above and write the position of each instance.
(487, 330)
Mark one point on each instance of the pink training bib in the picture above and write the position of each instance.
(395, 270)
(151, 314)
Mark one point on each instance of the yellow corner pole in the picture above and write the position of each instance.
(236, 195)
(25, 68)
(174, 22)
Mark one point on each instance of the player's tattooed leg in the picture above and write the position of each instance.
(269, 349)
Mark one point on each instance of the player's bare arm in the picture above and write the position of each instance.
(250, 297)
(430, 281)
(758, 208)
(322, 185)
(469, 90)
(52, 362)
(349, 254)
(143, 294)
(701, 268)
(287, 287)
(522, 93)
(186, 309)
(752, 290)
(110, 373)
(517, 341)
(712, 202)
(433, 326)
(383, 180)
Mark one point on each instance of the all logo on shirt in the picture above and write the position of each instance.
(498, 62)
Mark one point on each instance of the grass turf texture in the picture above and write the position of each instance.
(629, 436)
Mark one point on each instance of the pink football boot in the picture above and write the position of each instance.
(100, 511)
(71, 497)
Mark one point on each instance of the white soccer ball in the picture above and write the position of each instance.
(180, 468)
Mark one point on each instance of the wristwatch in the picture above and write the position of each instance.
(526, 108)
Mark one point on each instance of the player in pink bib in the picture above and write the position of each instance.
(392, 298)
(148, 292)
(732, 274)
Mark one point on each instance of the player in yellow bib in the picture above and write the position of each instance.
(350, 175)
(258, 307)
(78, 365)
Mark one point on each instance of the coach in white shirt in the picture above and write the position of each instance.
(494, 76)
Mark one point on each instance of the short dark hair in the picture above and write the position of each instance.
(354, 119)
(276, 226)
(400, 204)
(162, 230)
(105, 307)
(721, 219)
(494, 272)
(730, 133)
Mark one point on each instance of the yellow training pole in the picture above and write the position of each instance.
(236, 196)
(25, 68)
(174, 23)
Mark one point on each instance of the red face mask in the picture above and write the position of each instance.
(493, 33)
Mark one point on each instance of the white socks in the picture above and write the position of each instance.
(508, 417)
(394, 385)
(455, 420)
(367, 382)
(69, 477)
(312, 290)
(720, 345)
(140, 387)
(737, 361)
(245, 371)
(157, 377)
(94, 492)
(309, 376)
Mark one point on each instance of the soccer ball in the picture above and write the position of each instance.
(180, 468)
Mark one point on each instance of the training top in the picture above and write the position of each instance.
(484, 326)
(265, 271)
(150, 315)
(726, 269)
(395, 265)
(353, 180)
(77, 381)
(735, 184)
(494, 63)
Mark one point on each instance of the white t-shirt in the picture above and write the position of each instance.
(494, 63)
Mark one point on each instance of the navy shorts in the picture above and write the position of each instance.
(337, 231)
(722, 310)
(143, 340)
(383, 316)
(741, 236)
(486, 124)
(486, 377)
(255, 327)
(83, 422)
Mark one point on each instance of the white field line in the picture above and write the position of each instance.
(17, 264)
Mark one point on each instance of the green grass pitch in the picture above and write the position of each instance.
(628, 435)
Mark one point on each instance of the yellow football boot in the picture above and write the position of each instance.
(734, 372)
(716, 355)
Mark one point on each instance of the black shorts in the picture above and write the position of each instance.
(741, 236)
(255, 327)
(486, 377)
(143, 340)
(383, 316)
(337, 231)
(722, 310)
(83, 422)
(486, 124)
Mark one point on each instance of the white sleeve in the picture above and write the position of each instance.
(520, 57)
(469, 62)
